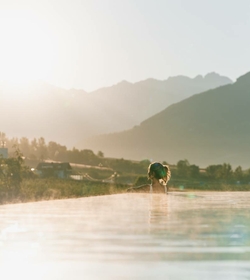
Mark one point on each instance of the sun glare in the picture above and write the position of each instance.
(27, 49)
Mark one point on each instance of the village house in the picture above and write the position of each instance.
(54, 169)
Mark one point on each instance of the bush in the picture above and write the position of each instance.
(141, 180)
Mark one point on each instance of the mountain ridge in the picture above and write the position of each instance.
(206, 128)
(67, 116)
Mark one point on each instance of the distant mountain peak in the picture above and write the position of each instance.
(76, 91)
(124, 83)
(198, 77)
(212, 74)
(178, 77)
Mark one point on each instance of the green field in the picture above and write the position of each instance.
(37, 189)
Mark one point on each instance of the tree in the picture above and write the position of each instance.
(247, 175)
(221, 172)
(42, 149)
(100, 154)
(141, 180)
(2, 138)
(34, 147)
(89, 157)
(225, 172)
(24, 146)
(212, 171)
(238, 173)
(145, 164)
(61, 153)
(12, 170)
(194, 171)
(183, 168)
(53, 150)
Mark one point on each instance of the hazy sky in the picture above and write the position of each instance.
(89, 44)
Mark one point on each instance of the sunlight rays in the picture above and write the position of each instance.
(27, 49)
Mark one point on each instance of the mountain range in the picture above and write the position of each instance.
(71, 116)
(211, 127)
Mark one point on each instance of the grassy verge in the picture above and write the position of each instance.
(47, 189)
(210, 187)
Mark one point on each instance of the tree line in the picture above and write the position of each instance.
(38, 149)
(218, 172)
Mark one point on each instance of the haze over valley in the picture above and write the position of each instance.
(70, 116)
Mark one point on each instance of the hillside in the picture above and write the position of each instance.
(68, 116)
(207, 128)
